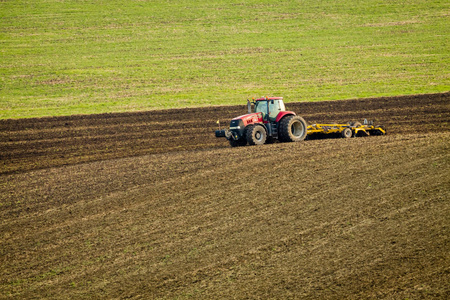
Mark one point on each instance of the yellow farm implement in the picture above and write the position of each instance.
(352, 129)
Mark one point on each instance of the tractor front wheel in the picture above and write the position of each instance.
(256, 135)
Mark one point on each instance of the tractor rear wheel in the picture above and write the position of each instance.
(256, 135)
(292, 129)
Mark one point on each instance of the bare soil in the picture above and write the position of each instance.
(151, 205)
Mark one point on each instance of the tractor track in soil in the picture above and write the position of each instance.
(28, 144)
(150, 205)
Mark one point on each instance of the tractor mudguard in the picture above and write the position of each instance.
(282, 114)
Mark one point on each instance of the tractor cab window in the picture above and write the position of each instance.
(275, 106)
(261, 106)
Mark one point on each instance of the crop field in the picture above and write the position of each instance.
(150, 205)
(65, 57)
(113, 185)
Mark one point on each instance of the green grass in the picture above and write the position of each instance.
(62, 57)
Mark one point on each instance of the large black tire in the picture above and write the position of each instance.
(256, 135)
(292, 129)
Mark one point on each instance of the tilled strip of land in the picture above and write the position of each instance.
(29, 144)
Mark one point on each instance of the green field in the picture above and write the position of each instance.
(62, 57)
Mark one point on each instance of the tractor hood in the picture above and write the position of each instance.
(249, 118)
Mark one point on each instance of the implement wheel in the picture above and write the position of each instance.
(292, 129)
(256, 135)
(346, 133)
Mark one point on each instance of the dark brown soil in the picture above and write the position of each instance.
(152, 206)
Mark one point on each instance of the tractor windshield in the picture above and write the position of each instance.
(261, 106)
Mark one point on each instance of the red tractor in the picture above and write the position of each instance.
(270, 121)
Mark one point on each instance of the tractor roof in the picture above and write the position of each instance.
(269, 98)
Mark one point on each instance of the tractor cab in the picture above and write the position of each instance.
(269, 106)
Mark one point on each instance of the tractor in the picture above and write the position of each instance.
(269, 122)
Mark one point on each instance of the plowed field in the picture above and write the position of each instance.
(151, 205)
